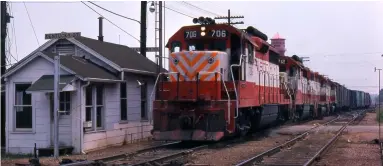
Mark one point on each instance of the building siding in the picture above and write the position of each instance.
(116, 132)
(71, 126)
(23, 142)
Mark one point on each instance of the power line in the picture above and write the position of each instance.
(14, 32)
(345, 54)
(206, 11)
(9, 42)
(110, 21)
(115, 13)
(178, 12)
(31, 24)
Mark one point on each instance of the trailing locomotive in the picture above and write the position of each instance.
(223, 81)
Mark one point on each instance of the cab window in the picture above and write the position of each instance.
(250, 53)
(176, 46)
(195, 47)
(218, 45)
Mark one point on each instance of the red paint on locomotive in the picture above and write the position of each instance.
(202, 100)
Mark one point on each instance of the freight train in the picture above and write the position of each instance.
(224, 81)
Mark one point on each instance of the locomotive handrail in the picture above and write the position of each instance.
(154, 89)
(224, 85)
(235, 87)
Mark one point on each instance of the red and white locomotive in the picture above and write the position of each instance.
(223, 81)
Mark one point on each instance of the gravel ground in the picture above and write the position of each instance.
(325, 119)
(237, 153)
(354, 149)
(110, 151)
(234, 154)
(369, 119)
(301, 151)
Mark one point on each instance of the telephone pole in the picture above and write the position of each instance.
(375, 69)
(5, 18)
(143, 28)
(229, 17)
(160, 37)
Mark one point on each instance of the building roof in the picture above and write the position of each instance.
(277, 36)
(46, 83)
(124, 57)
(121, 55)
(83, 67)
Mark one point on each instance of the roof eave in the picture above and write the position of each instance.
(101, 80)
(138, 71)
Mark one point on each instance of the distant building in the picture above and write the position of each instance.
(278, 42)
(99, 93)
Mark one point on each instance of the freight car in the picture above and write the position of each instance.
(359, 99)
(224, 81)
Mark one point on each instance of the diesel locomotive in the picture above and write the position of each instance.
(224, 81)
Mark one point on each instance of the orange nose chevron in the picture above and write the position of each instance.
(189, 63)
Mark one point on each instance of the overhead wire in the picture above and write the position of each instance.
(9, 49)
(110, 21)
(206, 11)
(30, 20)
(14, 32)
(178, 12)
(114, 12)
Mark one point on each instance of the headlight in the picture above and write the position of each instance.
(203, 28)
(203, 33)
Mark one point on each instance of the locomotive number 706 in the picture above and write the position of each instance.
(218, 33)
(190, 34)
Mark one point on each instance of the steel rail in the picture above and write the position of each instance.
(329, 143)
(121, 156)
(279, 147)
(170, 156)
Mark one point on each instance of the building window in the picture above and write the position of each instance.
(144, 114)
(88, 103)
(94, 106)
(23, 107)
(65, 103)
(123, 101)
(99, 106)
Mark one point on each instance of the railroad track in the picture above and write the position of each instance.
(160, 156)
(305, 148)
(169, 152)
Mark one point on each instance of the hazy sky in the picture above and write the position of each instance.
(343, 39)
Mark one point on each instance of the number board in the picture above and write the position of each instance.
(191, 34)
(219, 33)
(282, 61)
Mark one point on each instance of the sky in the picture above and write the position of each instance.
(343, 40)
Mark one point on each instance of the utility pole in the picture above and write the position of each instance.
(375, 69)
(5, 18)
(160, 36)
(56, 104)
(56, 82)
(143, 28)
(229, 17)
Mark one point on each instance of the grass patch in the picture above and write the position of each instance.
(381, 115)
(7, 156)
